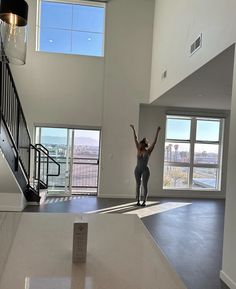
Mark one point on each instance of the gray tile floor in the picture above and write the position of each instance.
(190, 236)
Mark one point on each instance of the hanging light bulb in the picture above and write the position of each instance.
(13, 31)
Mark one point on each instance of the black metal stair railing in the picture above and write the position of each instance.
(13, 119)
(14, 122)
(37, 168)
(45, 161)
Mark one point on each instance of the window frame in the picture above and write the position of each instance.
(192, 141)
(72, 2)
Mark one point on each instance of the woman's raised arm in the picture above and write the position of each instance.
(150, 149)
(135, 137)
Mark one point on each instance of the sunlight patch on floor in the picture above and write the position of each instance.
(125, 207)
(60, 199)
(156, 209)
(116, 208)
(151, 208)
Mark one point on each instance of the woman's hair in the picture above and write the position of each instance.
(144, 141)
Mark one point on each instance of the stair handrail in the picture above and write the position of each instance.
(17, 158)
(45, 151)
(10, 104)
(14, 121)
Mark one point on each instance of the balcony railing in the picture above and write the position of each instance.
(84, 173)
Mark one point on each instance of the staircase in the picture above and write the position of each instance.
(29, 163)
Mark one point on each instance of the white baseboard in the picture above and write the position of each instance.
(227, 280)
(116, 196)
(188, 196)
(13, 202)
(11, 208)
(197, 196)
(32, 204)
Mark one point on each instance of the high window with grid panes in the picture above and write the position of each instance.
(193, 153)
(71, 27)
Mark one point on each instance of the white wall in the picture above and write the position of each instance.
(127, 78)
(150, 118)
(88, 91)
(8, 226)
(228, 273)
(11, 196)
(59, 88)
(177, 25)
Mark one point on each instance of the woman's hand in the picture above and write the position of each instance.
(132, 126)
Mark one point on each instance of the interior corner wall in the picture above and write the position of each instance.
(150, 118)
(228, 273)
(177, 25)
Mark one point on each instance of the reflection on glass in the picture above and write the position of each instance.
(55, 140)
(85, 159)
(37, 135)
(88, 18)
(205, 178)
(86, 144)
(78, 280)
(84, 43)
(206, 154)
(177, 152)
(175, 177)
(47, 282)
(178, 128)
(208, 130)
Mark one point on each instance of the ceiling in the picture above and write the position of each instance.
(209, 87)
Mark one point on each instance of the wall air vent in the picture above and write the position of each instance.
(196, 45)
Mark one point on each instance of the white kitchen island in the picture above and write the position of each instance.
(121, 255)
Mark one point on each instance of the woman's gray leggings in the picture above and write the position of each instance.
(144, 176)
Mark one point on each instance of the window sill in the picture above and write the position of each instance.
(70, 54)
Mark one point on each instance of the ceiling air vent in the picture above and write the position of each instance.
(196, 45)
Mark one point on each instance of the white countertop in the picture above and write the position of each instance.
(121, 255)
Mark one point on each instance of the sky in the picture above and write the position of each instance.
(62, 132)
(180, 129)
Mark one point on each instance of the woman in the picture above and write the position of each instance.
(142, 170)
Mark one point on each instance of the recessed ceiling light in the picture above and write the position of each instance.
(51, 41)
(89, 39)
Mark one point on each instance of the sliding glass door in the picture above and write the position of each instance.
(77, 151)
(85, 161)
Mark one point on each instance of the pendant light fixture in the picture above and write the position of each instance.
(13, 31)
